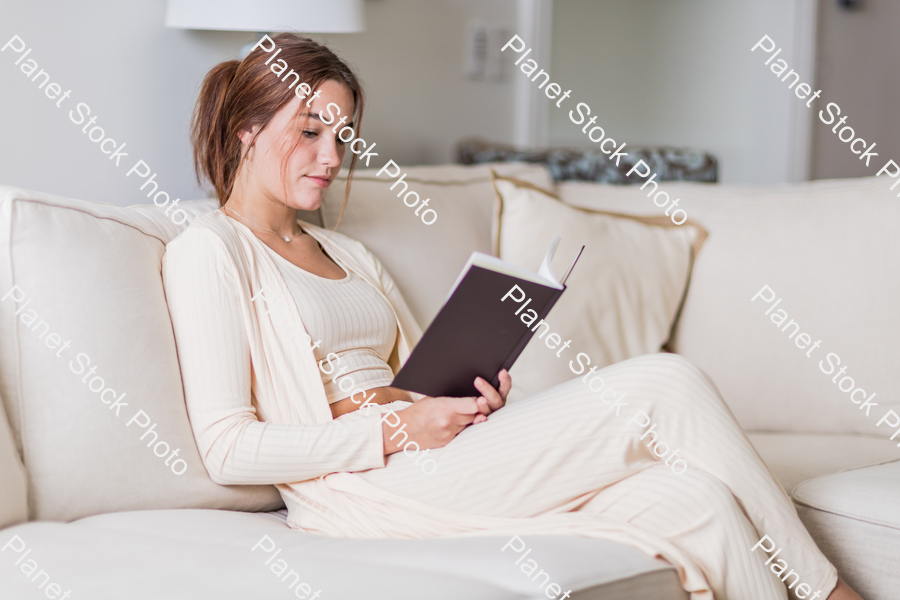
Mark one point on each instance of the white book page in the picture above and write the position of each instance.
(544, 276)
(546, 270)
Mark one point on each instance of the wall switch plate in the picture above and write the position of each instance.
(483, 57)
(475, 50)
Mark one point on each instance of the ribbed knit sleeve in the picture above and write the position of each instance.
(203, 291)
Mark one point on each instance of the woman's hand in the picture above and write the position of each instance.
(491, 399)
(433, 422)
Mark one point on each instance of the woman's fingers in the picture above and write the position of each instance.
(482, 410)
(468, 405)
(493, 397)
(505, 384)
(463, 419)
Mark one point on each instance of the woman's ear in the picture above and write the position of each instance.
(246, 136)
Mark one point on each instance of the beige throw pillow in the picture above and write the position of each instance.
(622, 298)
(89, 374)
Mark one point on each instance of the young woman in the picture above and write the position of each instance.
(274, 316)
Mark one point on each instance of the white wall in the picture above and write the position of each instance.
(141, 79)
(659, 72)
(411, 60)
(680, 73)
(138, 77)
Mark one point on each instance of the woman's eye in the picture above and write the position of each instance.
(309, 134)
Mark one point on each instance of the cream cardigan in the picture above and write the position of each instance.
(267, 419)
(260, 416)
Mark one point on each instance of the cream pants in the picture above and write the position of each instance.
(544, 453)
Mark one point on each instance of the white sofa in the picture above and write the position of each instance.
(91, 511)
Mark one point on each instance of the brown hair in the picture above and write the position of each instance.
(238, 95)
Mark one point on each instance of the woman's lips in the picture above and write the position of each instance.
(320, 181)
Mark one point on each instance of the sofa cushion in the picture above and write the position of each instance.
(190, 554)
(581, 164)
(88, 365)
(796, 457)
(622, 297)
(13, 490)
(854, 517)
(828, 250)
(424, 260)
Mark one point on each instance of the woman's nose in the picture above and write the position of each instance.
(330, 155)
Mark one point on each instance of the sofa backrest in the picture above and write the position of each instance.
(89, 375)
(828, 252)
(13, 492)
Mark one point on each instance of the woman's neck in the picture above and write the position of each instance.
(260, 212)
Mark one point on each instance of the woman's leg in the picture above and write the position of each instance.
(549, 452)
(699, 515)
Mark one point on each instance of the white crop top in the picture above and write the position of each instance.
(352, 320)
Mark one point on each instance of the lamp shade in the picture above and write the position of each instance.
(308, 16)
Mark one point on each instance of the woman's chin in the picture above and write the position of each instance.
(309, 200)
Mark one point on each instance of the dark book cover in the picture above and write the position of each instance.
(476, 333)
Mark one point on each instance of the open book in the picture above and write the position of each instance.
(478, 331)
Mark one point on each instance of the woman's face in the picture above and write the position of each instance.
(318, 156)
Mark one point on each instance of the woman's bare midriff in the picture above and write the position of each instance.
(383, 395)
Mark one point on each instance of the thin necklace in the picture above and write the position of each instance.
(284, 237)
